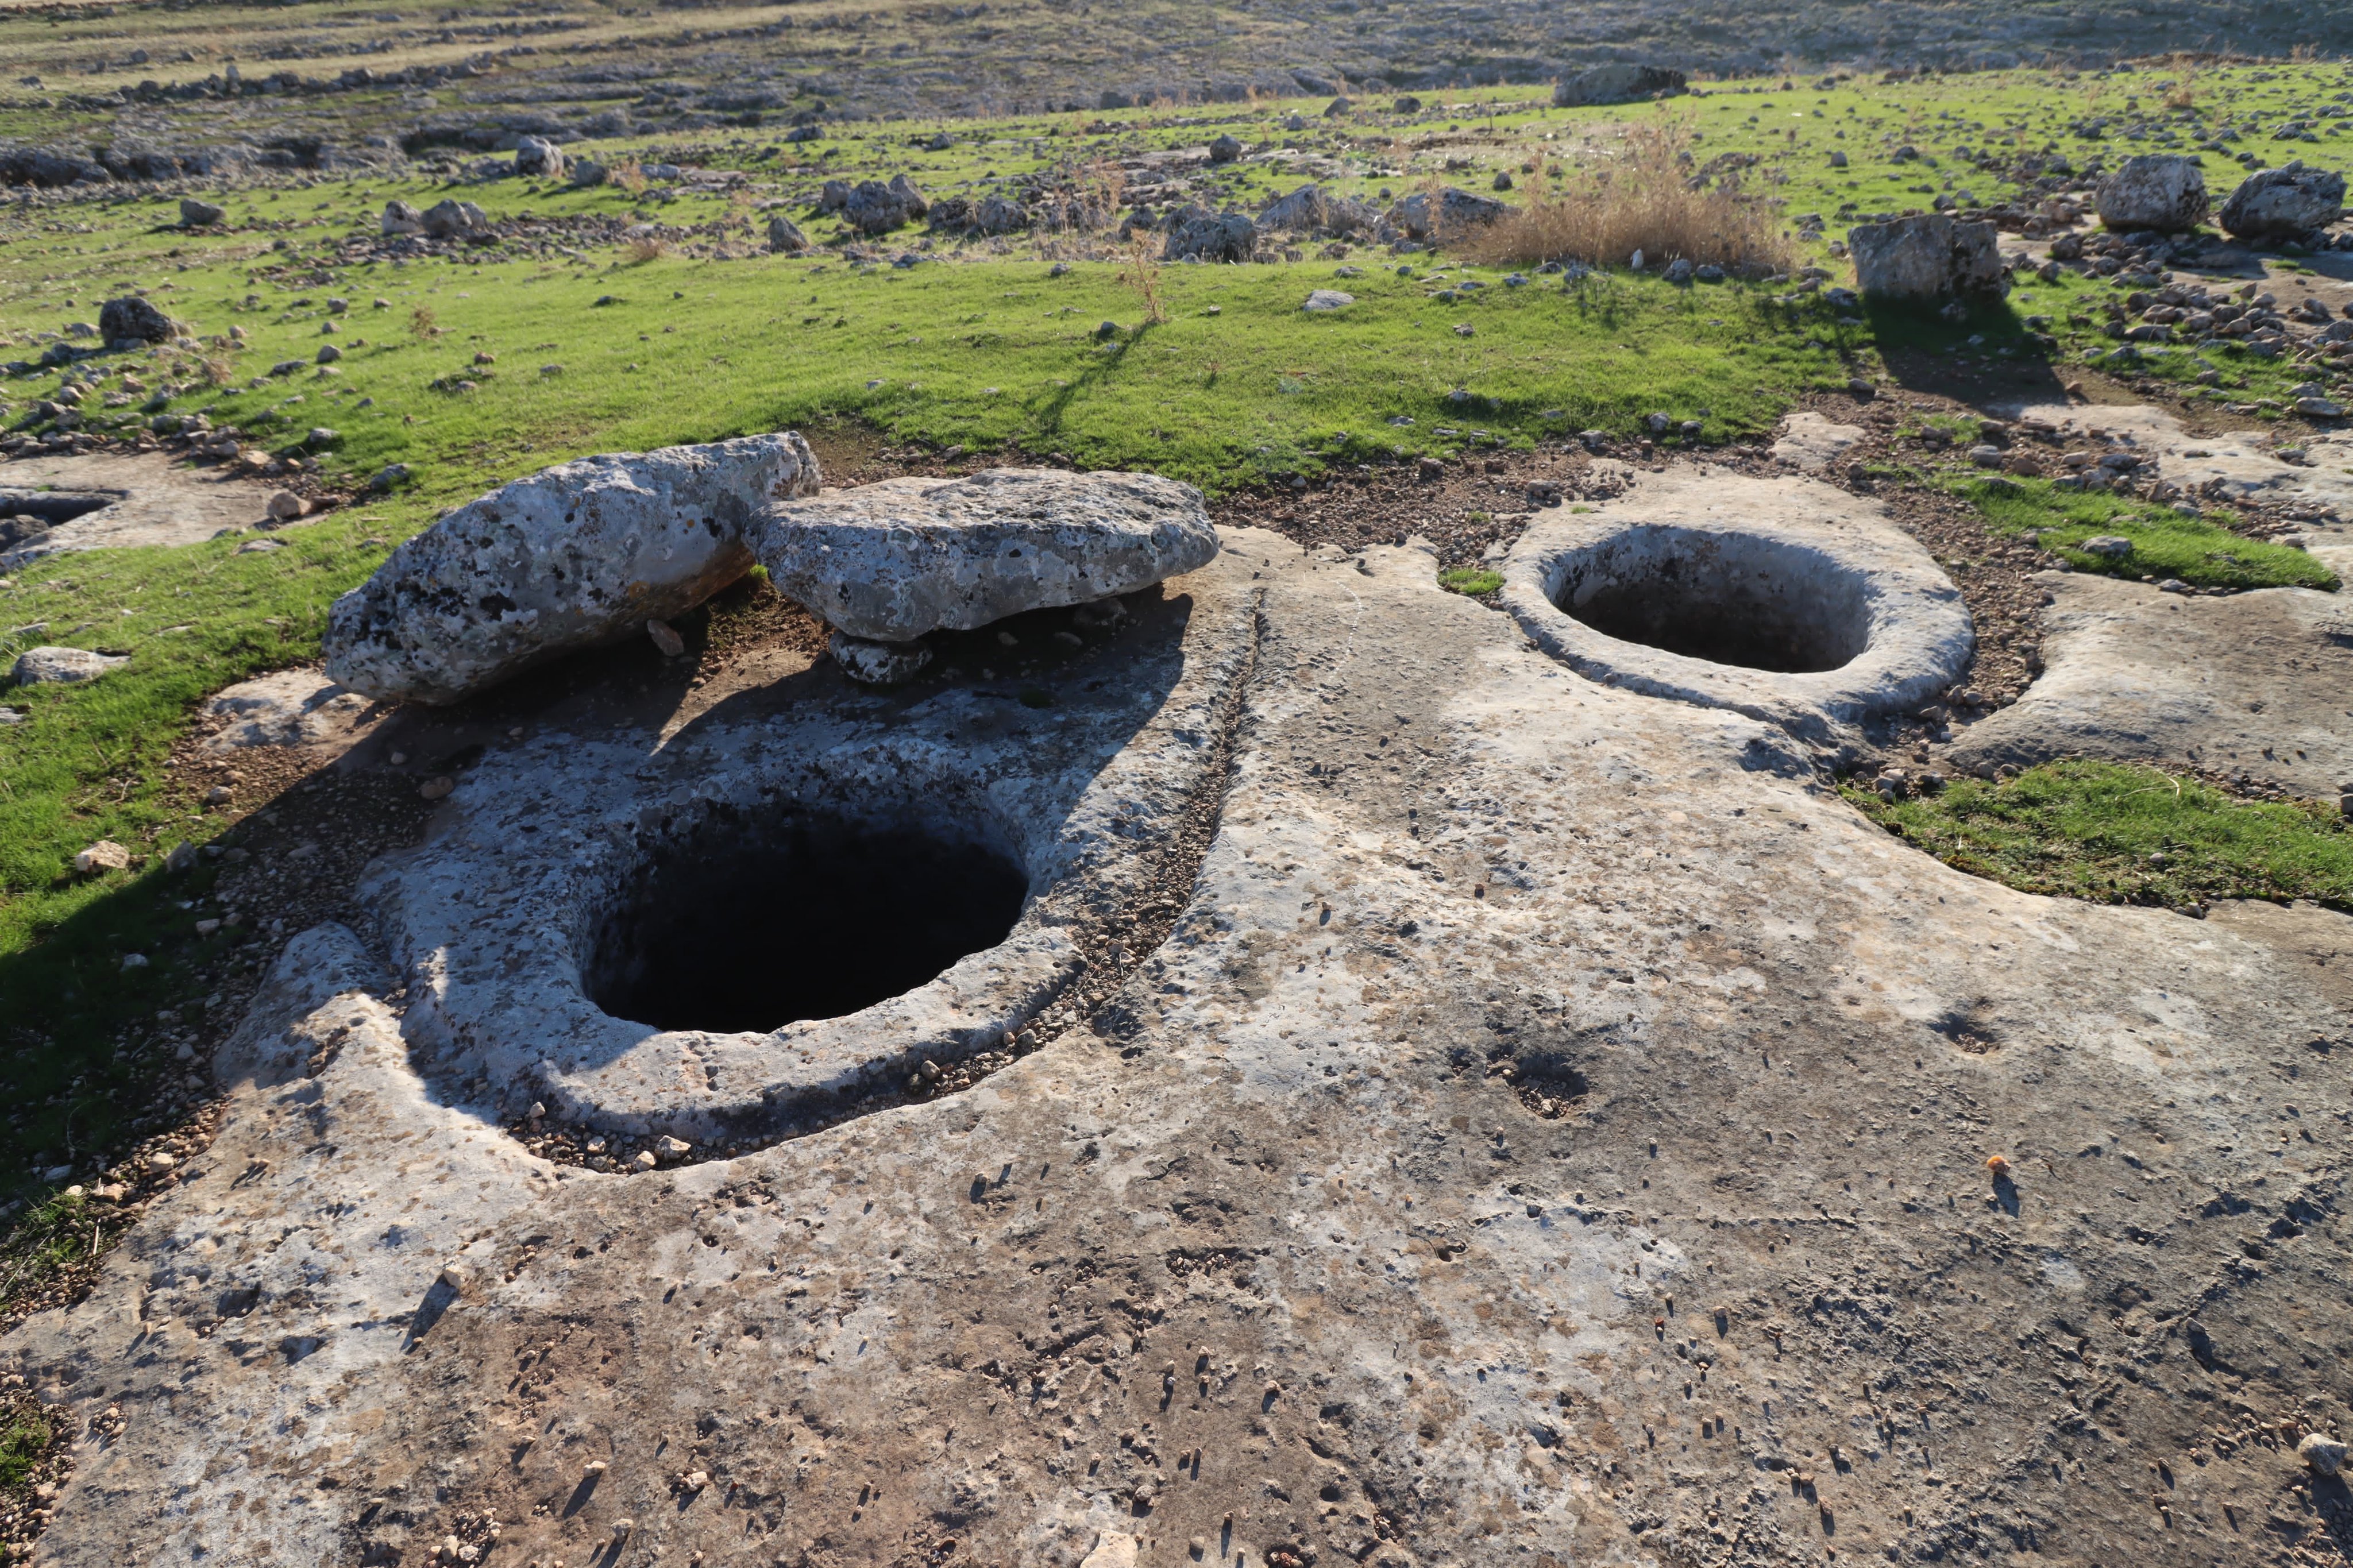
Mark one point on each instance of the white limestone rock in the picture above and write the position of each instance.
(286, 708)
(584, 552)
(47, 665)
(878, 663)
(889, 562)
(2162, 191)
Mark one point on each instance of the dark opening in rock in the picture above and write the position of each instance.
(1728, 599)
(751, 925)
(53, 507)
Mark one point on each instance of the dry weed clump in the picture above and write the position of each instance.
(646, 247)
(1142, 274)
(1649, 201)
(628, 175)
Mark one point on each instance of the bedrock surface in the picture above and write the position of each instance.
(1556, 1131)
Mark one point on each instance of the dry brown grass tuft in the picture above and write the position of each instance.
(644, 249)
(1645, 201)
(421, 325)
(628, 175)
(1142, 273)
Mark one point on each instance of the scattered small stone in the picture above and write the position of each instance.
(285, 505)
(105, 854)
(666, 638)
(2108, 546)
(436, 788)
(2321, 1453)
(1328, 299)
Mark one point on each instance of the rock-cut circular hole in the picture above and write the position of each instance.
(1727, 598)
(744, 925)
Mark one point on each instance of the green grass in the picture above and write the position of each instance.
(2096, 831)
(2165, 543)
(25, 1441)
(1471, 581)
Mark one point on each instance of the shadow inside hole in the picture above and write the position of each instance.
(1724, 599)
(750, 924)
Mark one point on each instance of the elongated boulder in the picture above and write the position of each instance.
(2161, 191)
(581, 553)
(1616, 84)
(889, 562)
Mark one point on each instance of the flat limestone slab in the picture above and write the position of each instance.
(893, 561)
(163, 502)
(1556, 1125)
(2260, 682)
(1809, 443)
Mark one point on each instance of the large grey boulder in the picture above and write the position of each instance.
(537, 156)
(873, 207)
(785, 236)
(1313, 207)
(1457, 210)
(1616, 84)
(1196, 234)
(584, 552)
(454, 219)
(2281, 204)
(134, 321)
(889, 562)
(1225, 150)
(401, 217)
(2160, 191)
(1932, 257)
(195, 214)
(47, 665)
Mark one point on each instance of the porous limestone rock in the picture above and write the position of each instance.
(401, 218)
(1328, 299)
(198, 214)
(286, 708)
(2160, 191)
(45, 665)
(878, 663)
(1618, 83)
(889, 562)
(576, 554)
(785, 236)
(134, 321)
(1933, 256)
(2273, 204)
(453, 219)
(1457, 210)
(1195, 234)
(537, 156)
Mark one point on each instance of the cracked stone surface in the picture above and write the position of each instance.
(1556, 1130)
(2260, 682)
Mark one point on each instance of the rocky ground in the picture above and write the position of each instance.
(1545, 1121)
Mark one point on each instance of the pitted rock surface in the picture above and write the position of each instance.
(580, 553)
(289, 708)
(1557, 1128)
(1931, 256)
(2160, 191)
(889, 562)
(2284, 204)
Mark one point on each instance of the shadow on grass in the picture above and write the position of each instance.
(1990, 354)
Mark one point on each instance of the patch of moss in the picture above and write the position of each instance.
(1471, 581)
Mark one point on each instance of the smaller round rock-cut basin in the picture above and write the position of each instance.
(1784, 599)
